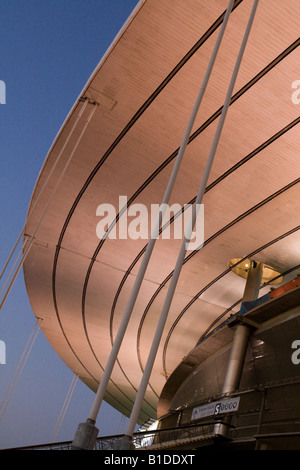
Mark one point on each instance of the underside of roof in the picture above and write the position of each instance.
(142, 94)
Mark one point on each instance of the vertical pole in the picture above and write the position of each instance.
(242, 333)
(145, 261)
(240, 341)
(159, 330)
(253, 283)
(236, 360)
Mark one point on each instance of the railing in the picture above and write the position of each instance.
(173, 436)
(252, 421)
(141, 440)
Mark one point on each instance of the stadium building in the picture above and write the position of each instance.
(195, 104)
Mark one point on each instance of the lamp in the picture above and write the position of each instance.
(241, 267)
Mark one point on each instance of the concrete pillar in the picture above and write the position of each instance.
(85, 436)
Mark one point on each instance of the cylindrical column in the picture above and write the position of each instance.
(240, 341)
(253, 283)
(180, 259)
(242, 333)
(150, 246)
(236, 360)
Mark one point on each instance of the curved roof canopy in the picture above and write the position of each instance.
(144, 89)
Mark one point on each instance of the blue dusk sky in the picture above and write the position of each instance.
(48, 50)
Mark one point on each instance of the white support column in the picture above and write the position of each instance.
(153, 351)
(79, 436)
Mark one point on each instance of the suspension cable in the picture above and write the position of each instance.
(43, 188)
(19, 369)
(64, 408)
(32, 236)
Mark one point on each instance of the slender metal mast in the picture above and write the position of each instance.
(169, 297)
(86, 433)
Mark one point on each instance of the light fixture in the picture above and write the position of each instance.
(241, 267)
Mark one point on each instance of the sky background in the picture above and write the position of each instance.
(48, 50)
